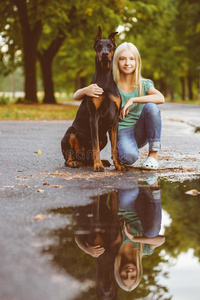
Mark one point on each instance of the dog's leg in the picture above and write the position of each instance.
(114, 202)
(70, 147)
(98, 166)
(113, 140)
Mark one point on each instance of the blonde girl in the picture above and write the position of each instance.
(140, 120)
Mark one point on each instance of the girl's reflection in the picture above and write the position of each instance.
(140, 217)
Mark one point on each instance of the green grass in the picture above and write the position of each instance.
(49, 111)
(37, 112)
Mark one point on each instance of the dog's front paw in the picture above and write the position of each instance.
(98, 167)
(72, 164)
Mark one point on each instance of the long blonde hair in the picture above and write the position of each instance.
(137, 73)
(137, 253)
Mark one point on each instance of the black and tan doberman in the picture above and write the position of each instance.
(96, 116)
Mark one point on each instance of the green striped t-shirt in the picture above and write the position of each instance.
(136, 109)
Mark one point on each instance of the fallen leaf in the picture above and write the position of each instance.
(26, 185)
(56, 186)
(56, 172)
(40, 191)
(39, 152)
(192, 192)
(39, 217)
(45, 183)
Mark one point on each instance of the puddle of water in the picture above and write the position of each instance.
(126, 246)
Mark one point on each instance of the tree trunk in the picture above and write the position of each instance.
(30, 85)
(46, 69)
(46, 59)
(183, 85)
(190, 87)
(30, 37)
(163, 87)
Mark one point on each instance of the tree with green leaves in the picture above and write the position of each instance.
(57, 28)
(74, 64)
(60, 35)
(45, 24)
(187, 25)
(10, 43)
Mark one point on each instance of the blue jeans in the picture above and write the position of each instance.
(147, 205)
(146, 130)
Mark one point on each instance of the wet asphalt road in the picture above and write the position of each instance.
(32, 185)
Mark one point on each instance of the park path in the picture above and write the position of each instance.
(32, 184)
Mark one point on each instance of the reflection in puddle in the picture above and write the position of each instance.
(115, 240)
(141, 222)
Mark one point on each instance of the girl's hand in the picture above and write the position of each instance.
(93, 90)
(95, 251)
(125, 109)
(127, 231)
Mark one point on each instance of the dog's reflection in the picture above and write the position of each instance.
(117, 229)
(99, 235)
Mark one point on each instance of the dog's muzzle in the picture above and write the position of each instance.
(105, 57)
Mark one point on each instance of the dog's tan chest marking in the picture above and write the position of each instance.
(97, 101)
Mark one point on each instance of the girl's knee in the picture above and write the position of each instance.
(152, 108)
(128, 157)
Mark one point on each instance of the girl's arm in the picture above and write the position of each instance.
(92, 90)
(152, 242)
(153, 96)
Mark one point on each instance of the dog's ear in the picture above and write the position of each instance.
(98, 37)
(112, 38)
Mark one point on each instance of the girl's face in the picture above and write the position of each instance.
(127, 62)
(128, 274)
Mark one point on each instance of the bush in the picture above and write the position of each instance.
(4, 100)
